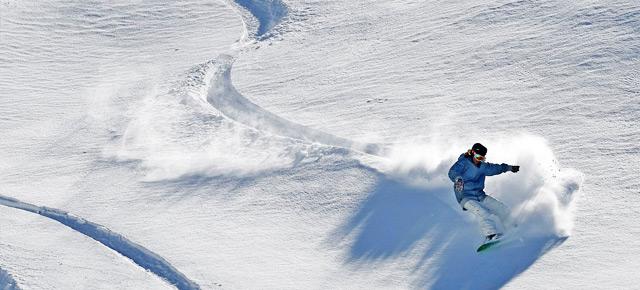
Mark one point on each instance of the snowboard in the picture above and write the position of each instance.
(507, 239)
(488, 245)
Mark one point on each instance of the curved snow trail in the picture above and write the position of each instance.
(7, 282)
(139, 254)
(220, 93)
(223, 96)
(268, 13)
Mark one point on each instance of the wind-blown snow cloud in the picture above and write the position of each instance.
(542, 195)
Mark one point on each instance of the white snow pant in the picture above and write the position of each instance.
(484, 210)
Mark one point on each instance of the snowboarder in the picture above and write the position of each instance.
(468, 175)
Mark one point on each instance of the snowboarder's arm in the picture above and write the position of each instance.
(495, 169)
(456, 170)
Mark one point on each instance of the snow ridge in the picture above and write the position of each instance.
(7, 282)
(139, 254)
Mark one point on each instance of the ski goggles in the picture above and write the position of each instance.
(478, 157)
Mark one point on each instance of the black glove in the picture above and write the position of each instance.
(515, 168)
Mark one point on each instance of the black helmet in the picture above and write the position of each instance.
(479, 149)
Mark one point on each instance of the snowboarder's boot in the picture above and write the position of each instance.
(492, 238)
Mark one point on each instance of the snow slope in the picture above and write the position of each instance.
(305, 144)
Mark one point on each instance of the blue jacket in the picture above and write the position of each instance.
(473, 176)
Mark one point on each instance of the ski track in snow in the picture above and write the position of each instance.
(137, 253)
(268, 13)
(223, 96)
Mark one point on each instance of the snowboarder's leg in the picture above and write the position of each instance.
(499, 209)
(487, 225)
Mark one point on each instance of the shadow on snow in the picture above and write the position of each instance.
(398, 220)
(268, 13)
(7, 282)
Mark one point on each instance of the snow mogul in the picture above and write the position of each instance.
(468, 174)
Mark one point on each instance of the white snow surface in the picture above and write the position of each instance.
(305, 144)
